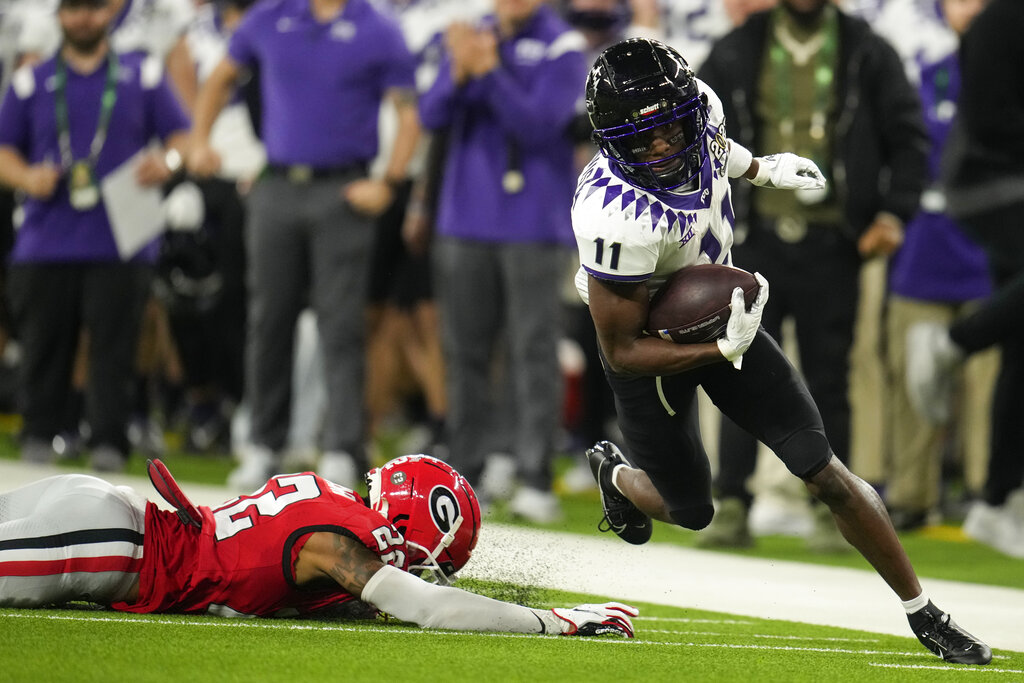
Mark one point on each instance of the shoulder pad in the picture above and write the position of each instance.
(715, 111)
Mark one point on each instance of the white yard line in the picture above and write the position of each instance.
(772, 589)
(683, 577)
(641, 641)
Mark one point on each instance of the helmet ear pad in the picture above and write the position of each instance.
(635, 87)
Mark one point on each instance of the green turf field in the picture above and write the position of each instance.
(939, 552)
(671, 645)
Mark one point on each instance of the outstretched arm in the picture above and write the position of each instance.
(411, 599)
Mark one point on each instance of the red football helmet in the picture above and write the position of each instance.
(432, 506)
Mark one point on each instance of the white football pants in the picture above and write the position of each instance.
(69, 537)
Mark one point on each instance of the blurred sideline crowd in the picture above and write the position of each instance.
(362, 228)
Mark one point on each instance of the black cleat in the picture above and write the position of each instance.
(940, 634)
(620, 515)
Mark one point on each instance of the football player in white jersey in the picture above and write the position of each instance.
(657, 200)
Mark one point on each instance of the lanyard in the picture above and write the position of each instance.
(106, 109)
(784, 50)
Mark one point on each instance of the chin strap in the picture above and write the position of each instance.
(432, 564)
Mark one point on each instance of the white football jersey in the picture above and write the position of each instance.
(627, 234)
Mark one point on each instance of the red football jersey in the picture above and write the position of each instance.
(243, 559)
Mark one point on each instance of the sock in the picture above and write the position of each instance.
(915, 604)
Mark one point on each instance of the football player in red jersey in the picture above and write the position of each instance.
(297, 545)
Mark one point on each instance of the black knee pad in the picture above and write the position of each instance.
(696, 517)
(805, 453)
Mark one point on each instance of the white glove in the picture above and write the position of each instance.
(597, 620)
(743, 324)
(788, 171)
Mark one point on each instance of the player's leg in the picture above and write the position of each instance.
(69, 537)
(671, 477)
(864, 523)
(769, 399)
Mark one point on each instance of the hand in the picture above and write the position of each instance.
(485, 54)
(152, 169)
(597, 620)
(458, 40)
(882, 237)
(368, 196)
(202, 161)
(743, 324)
(787, 171)
(40, 180)
(416, 230)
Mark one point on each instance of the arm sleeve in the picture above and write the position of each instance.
(400, 69)
(992, 59)
(166, 114)
(437, 102)
(739, 159)
(537, 112)
(409, 598)
(14, 114)
(241, 45)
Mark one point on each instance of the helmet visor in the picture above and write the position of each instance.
(677, 161)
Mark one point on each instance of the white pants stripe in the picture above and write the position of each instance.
(69, 537)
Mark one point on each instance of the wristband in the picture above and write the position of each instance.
(763, 173)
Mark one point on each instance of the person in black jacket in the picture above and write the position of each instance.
(984, 178)
(809, 78)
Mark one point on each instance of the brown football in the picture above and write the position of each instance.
(693, 305)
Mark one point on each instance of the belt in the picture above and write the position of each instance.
(304, 173)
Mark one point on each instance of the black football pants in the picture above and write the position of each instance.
(659, 420)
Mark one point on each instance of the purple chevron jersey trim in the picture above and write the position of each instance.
(710, 245)
(600, 275)
(691, 201)
(679, 210)
(610, 194)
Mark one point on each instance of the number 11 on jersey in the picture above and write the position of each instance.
(614, 248)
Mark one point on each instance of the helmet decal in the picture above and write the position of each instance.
(444, 509)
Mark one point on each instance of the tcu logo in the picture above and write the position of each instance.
(444, 509)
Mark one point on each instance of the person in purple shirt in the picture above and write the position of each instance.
(938, 274)
(64, 126)
(506, 91)
(324, 66)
